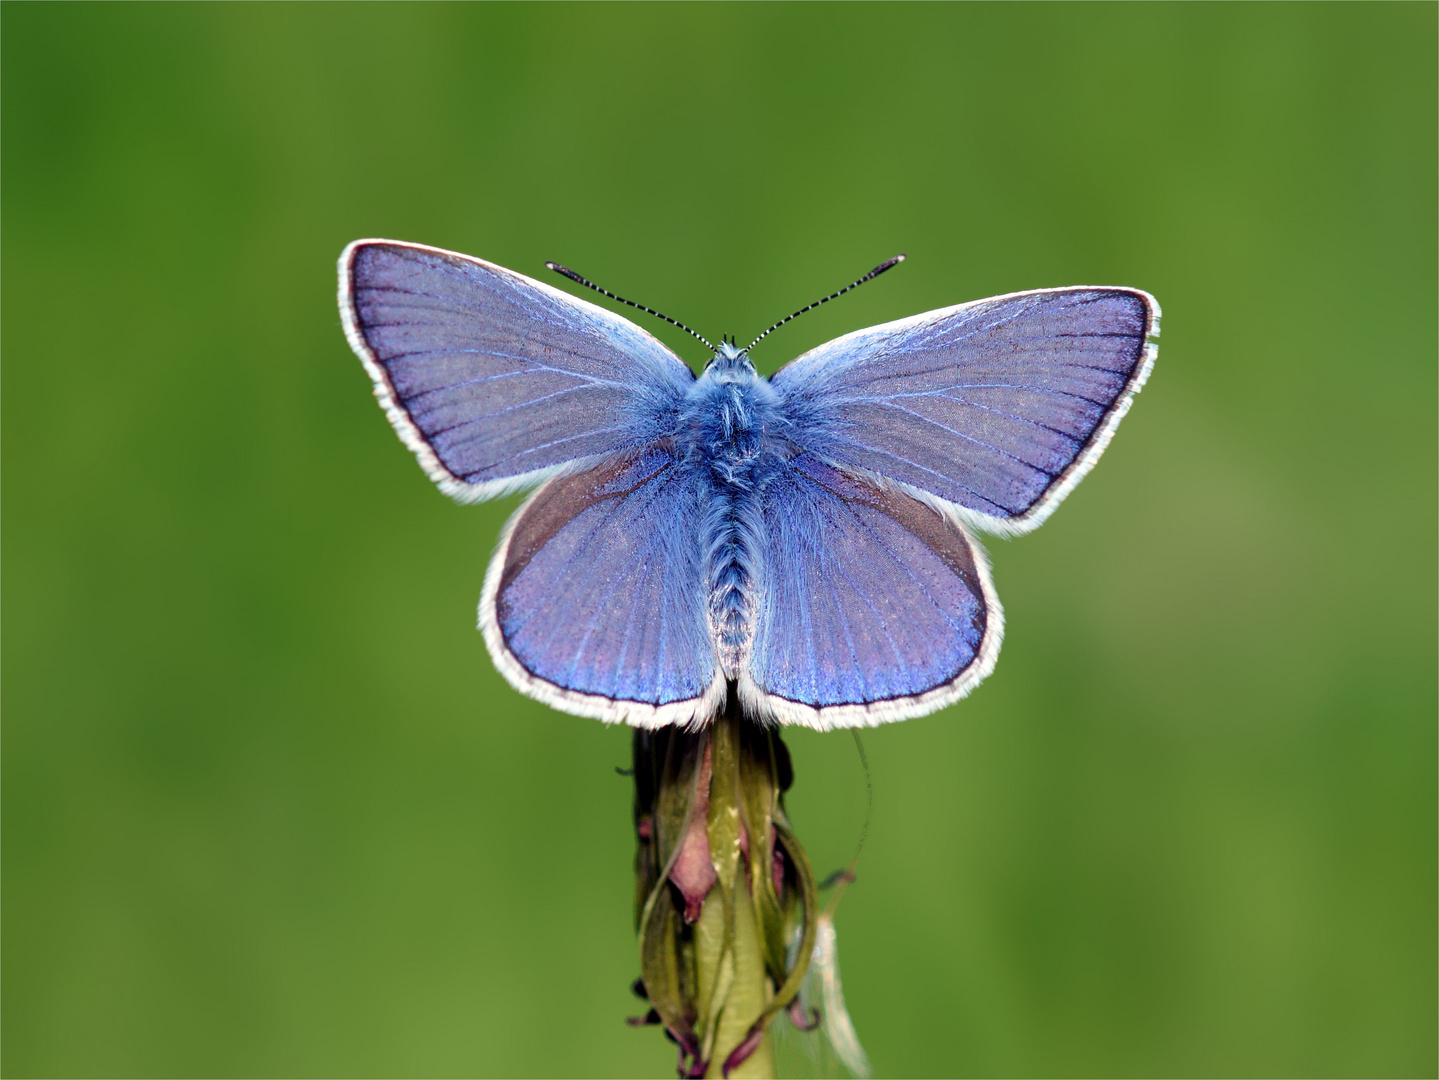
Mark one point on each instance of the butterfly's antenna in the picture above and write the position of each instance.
(587, 283)
(881, 268)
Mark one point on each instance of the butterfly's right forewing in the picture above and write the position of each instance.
(996, 407)
(493, 379)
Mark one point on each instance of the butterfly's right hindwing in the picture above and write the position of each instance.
(876, 606)
(495, 380)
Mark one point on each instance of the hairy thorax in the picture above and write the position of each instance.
(731, 434)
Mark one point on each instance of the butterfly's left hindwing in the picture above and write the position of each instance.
(595, 602)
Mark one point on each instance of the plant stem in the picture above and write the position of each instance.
(749, 988)
(723, 888)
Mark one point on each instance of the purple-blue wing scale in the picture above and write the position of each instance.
(493, 379)
(876, 605)
(594, 601)
(997, 407)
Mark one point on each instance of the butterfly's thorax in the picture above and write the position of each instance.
(731, 435)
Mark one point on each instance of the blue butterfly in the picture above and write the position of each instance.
(803, 539)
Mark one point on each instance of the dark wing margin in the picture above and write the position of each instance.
(875, 606)
(495, 380)
(594, 602)
(997, 407)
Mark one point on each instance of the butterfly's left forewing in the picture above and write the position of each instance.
(493, 379)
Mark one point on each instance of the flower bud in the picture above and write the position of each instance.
(722, 888)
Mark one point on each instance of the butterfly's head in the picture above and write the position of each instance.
(729, 357)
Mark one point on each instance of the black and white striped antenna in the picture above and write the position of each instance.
(881, 268)
(587, 283)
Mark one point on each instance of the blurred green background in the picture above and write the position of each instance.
(268, 809)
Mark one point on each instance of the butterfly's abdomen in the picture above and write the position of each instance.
(731, 578)
(727, 423)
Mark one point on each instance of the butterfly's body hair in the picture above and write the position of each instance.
(729, 435)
